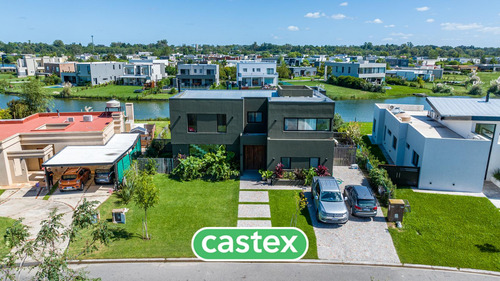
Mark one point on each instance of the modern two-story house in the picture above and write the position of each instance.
(197, 75)
(138, 73)
(291, 125)
(371, 72)
(455, 144)
(94, 73)
(256, 74)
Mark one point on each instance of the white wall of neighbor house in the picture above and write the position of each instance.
(454, 164)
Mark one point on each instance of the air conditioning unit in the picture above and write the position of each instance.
(70, 119)
(87, 118)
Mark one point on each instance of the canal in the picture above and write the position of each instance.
(350, 110)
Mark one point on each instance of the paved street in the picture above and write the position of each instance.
(269, 271)
(360, 239)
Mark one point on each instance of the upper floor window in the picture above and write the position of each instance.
(485, 130)
(309, 124)
(245, 69)
(254, 117)
(221, 123)
(192, 128)
(258, 69)
(394, 142)
(270, 71)
(414, 159)
(195, 70)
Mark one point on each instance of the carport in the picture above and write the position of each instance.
(117, 153)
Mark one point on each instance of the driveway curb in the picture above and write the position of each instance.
(305, 261)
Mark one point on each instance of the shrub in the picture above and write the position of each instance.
(442, 88)
(322, 171)
(151, 167)
(266, 174)
(354, 83)
(173, 91)
(188, 169)
(300, 174)
(278, 171)
(395, 81)
(476, 90)
(494, 87)
(66, 92)
(496, 174)
(289, 175)
(309, 176)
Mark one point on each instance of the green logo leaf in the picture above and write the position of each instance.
(249, 244)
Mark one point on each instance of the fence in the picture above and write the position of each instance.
(402, 175)
(344, 155)
(163, 165)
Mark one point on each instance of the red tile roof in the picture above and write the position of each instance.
(31, 123)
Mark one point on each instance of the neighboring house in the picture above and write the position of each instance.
(292, 125)
(30, 65)
(138, 73)
(303, 71)
(94, 73)
(294, 61)
(466, 60)
(488, 67)
(256, 74)
(455, 144)
(371, 72)
(58, 67)
(397, 62)
(411, 75)
(27, 143)
(8, 68)
(197, 75)
(437, 72)
(471, 68)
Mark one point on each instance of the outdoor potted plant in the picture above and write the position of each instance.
(266, 175)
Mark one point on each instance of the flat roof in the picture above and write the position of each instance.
(429, 127)
(30, 124)
(271, 95)
(92, 155)
(466, 108)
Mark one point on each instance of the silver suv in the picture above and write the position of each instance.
(328, 200)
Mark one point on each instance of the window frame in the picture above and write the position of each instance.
(255, 114)
(394, 142)
(289, 163)
(413, 158)
(223, 117)
(319, 162)
(297, 124)
(195, 122)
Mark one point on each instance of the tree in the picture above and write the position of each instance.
(18, 109)
(5, 114)
(494, 87)
(283, 71)
(147, 195)
(171, 70)
(305, 63)
(66, 91)
(3, 85)
(294, 55)
(493, 61)
(34, 98)
(129, 183)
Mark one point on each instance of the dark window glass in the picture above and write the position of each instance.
(389, 132)
(485, 130)
(309, 124)
(407, 145)
(323, 125)
(415, 158)
(314, 162)
(254, 117)
(192, 123)
(291, 124)
(287, 162)
(394, 142)
(221, 123)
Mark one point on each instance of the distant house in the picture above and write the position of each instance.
(256, 74)
(58, 67)
(455, 144)
(397, 62)
(138, 73)
(488, 67)
(30, 65)
(197, 75)
(371, 72)
(413, 74)
(94, 73)
(303, 71)
(466, 60)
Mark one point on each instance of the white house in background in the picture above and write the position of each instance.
(29, 65)
(411, 74)
(371, 72)
(138, 73)
(256, 74)
(455, 144)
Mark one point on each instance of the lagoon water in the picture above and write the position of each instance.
(350, 110)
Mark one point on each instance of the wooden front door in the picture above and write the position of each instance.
(255, 157)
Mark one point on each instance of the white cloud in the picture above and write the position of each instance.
(274, 37)
(377, 21)
(293, 28)
(491, 29)
(422, 9)
(389, 26)
(387, 39)
(343, 4)
(313, 15)
(430, 20)
(401, 35)
(460, 26)
(339, 16)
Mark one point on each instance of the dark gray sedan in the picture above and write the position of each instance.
(361, 201)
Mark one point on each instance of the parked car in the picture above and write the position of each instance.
(74, 179)
(104, 176)
(361, 201)
(328, 200)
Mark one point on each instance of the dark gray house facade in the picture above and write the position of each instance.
(292, 125)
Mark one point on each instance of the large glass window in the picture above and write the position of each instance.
(270, 71)
(485, 130)
(307, 124)
(254, 117)
(192, 123)
(221, 123)
(287, 162)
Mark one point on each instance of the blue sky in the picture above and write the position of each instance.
(317, 22)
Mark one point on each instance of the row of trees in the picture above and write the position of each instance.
(162, 48)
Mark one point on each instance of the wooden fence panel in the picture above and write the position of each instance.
(344, 155)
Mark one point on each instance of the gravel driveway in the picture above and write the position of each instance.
(360, 239)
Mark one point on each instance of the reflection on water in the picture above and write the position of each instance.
(351, 110)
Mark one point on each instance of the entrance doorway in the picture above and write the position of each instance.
(255, 157)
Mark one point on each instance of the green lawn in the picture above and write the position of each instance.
(283, 204)
(4, 223)
(448, 230)
(374, 149)
(365, 128)
(159, 127)
(460, 89)
(184, 208)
